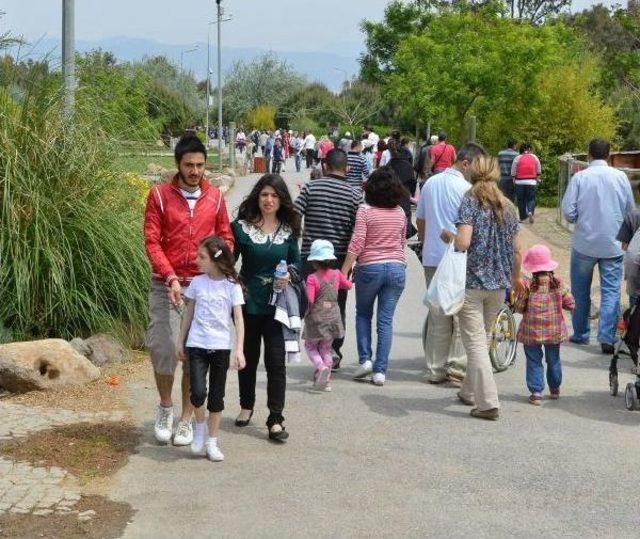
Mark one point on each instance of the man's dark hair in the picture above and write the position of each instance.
(442, 136)
(336, 160)
(189, 144)
(599, 148)
(384, 190)
(511, 143)
(355, 143)
(470, 152)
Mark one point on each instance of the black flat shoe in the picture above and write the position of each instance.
(244, 422)
(280, 435)
(607, 348)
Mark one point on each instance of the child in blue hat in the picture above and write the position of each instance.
(323, 323)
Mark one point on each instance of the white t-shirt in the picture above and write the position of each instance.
(214, 302)
(438, 206)
(385, 158)
(309, 142)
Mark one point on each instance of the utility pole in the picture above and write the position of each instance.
(219, 85)
(208, 104)
(68, 57)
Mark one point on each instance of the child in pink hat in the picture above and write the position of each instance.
(542, 328)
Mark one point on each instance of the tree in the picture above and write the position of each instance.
(261, 117)
(357, 104)
(265, 81)
(536, 11)
(309, 106)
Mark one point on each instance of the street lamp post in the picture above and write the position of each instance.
(218, 2)
(208, 103)
(68, 56)
(182, 53)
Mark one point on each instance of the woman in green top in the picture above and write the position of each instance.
(266, 231)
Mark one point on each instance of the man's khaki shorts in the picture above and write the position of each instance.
(164, 330)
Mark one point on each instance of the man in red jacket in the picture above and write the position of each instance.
(179, 214)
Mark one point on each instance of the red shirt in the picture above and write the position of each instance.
(325, 147)
(172, 232)
(442, 156)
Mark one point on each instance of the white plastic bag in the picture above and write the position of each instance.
(445, 294)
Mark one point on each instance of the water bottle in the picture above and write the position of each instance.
(282, 271)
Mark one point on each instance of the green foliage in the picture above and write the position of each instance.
(304, 124)
(71, 244)
(265, 81)
(309, 105)
(261, 117)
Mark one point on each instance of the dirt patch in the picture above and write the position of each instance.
(108, 522)
(87, 450)
(108, 393)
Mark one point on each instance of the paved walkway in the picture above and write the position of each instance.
(404, 460)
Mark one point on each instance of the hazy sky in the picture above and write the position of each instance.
(305, 25)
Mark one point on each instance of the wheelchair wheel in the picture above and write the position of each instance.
(502, 348)
(613, 384)
(631, 400)
(425, 326)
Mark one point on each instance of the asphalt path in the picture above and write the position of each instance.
(403, 460)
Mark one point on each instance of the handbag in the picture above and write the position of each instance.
(445, 295)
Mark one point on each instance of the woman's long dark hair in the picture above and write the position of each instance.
(249, 210)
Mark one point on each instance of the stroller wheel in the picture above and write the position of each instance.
(613, 384)
(631, 400)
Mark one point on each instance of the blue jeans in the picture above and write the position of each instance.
(610, 270)
(526, 197)
(298, 158)
(535, 369)
(385, 282)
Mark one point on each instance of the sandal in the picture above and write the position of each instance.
(243, 422)
(279, 435)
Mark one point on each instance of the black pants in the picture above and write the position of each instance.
(526, 195)
(265, 328)
(308, 155)
(277, 165)
(508, 189)
(307, 269)
(217, 363)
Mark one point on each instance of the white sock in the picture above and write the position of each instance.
(200, 429)
(213, 440)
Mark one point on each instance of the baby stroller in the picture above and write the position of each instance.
(631, 341)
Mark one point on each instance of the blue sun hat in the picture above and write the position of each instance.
(321, 250)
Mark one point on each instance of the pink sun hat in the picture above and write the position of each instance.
(538, 258)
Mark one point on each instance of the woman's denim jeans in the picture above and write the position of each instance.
(610, 281)
(385, 282)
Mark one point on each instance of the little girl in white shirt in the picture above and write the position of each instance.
(206, 327)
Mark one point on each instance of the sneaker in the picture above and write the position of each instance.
(378, 379)
(555, 393)
(535, 399)
(492, 414)
(184, 433)
(199, 436)
(322, 378)
(363, 370)
(163, 428)
(327, 389)
(531, 218)
(213, 451)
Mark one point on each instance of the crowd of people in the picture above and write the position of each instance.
(348, 228)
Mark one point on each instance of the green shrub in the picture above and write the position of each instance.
(71, 246)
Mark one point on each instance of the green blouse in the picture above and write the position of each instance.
(260, 254)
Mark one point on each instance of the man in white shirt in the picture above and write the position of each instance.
(308, 147)
(438, 206)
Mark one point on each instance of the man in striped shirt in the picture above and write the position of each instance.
(358, 167)
(328, 206)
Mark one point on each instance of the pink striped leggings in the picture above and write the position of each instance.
(320, 353)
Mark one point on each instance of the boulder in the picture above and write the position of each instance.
(103, 349)
(46, 364)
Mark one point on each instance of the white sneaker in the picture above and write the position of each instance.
(184, 433)
(327, 388)
(364, 369)
(199, 437)
(163, 428)
(378, 379)
(213, 451)
(323, 378)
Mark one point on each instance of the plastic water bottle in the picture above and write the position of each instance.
(282, 271)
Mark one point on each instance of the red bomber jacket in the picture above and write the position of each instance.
(172, 232)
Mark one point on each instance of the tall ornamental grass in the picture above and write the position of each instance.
(72, 259)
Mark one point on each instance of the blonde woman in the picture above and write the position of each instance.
(487, 228)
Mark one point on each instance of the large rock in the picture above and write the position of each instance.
(45, 364)
(103, 349)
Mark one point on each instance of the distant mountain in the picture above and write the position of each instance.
(329, 66)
